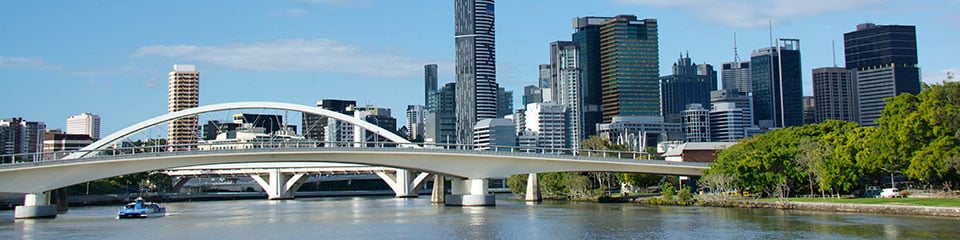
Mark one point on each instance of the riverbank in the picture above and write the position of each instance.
(891, 208)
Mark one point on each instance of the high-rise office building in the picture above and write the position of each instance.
(736, 75)
(685, 86)
(505, 102)
(476, 65)
(565, 65)
(545, 123)
(532, 94)
(741, 100)
(441, 123)
(809, 109)
(183, 92)
(381, 117)
(696, 123)
(318, 127)
(630, 67)
(85, 123)
(835, 94)
(727, 122)
(587, 40)
(546, 83)
(416, 122)
(777, 85)
(884, 58)
(492, 133)
(429, 82)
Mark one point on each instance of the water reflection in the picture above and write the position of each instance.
(391, 218)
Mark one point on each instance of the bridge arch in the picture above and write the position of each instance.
(123, 133)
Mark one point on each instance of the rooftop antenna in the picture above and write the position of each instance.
(770, 24)
(833, 45)
(736, 55)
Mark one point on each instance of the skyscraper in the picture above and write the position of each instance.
(736, 75)
(835, 94)
(85, 123)
(505, 102)
(727, 122)
(685, 86)
(741, 100)
(777, 85)
(476, 65)
(429, 82)
(441, 123)
(318, 127)
(183, 92)
(696, 123)
(809, 109)
(546, 83)
(565, 65)
(885, 60)
(629, 67)
(416, 121)
(531, 94)
(587, 39)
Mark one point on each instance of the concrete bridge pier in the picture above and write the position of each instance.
(439, 189)
(404, 183)
(470, 192)
(36, 205)
(533, 189)
(280, 185)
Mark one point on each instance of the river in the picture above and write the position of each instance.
(396, 218)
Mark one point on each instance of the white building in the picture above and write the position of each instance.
(85, 123)
(546, 122)
(696, 123)
(416, 121)
(493, 132)
(727, 122)
(639, 132)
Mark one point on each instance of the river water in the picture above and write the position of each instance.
(394, 218)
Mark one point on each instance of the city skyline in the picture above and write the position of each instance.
(72, 49)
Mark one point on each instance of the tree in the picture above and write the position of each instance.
(517, 184)
(810, 161)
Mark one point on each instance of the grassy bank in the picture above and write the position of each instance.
(926, 202)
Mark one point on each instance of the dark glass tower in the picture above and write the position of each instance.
(884, 58)
(587, 38)
(687, 85)
(476, 65)
(777, 85)
(429, 82)
(629, 67)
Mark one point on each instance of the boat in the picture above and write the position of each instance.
(142, 209)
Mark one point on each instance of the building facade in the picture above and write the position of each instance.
(740, 100)
(546, 124)
(640, 132)
(884, 58)
(429, 82)
(727, 122)
(565, 64)
(489, 134)
(505, 102)
(416, 122)
(835, 94)
(809, 109)
(777, 85)
(441, 123)
(689, 83)
(84, 123)
(546, 83)
(696, 123)
(321, 128)
(587, 40)
(183, 92)
(475, 65)
(736, 75)
(629, 67)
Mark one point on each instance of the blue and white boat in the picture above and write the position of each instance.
(142, 209)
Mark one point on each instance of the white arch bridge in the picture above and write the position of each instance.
(470, 168)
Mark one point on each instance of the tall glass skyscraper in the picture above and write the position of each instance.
(835, 94)
(885, 60)
(587, 39)
(475, 65)
(629, 67)
(565, 76)
(777, 85)
(429, 82)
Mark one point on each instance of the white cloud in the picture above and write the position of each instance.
(22, 62)
(294, 55)
(937, 77)
(753, 13)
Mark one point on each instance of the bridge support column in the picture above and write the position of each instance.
(403, 182)
(533, 188)
(280, 186)
(36, 205)
(470, 192)
(439, 190)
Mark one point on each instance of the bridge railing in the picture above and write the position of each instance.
(295, 144)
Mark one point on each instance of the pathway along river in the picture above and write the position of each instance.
(393, 218)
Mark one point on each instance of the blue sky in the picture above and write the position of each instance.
(61, 58)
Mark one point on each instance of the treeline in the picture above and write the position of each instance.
(918, 137)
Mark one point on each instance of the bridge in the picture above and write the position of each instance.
(414, 163)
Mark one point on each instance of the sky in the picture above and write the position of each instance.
(111, 58)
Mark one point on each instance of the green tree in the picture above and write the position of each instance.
(517, 184)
